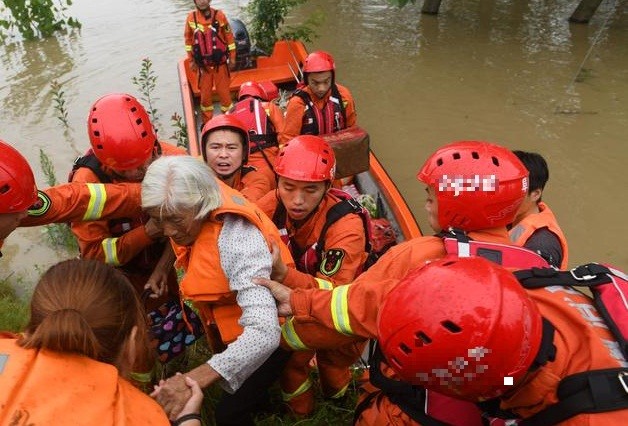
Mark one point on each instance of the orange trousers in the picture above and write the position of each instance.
(210, 77)
(333, 371)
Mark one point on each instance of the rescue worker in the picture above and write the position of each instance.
(211, 49)
(263, 119)
(540, 354)
(221, 241)
(123, 144)
(321, 106)
(70, 365)
(225, 149)
(535, 226)
(471, 185)
(21, 204)
(332, 249)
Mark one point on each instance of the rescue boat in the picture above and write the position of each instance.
(282, 68)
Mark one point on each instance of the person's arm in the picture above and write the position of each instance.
(547, 245)
(188, 36)
(77, 201)
(350, 108)
(227, 36)
(244, 254)
(293, 120)
(276, 116)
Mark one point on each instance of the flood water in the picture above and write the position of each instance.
(511, 72)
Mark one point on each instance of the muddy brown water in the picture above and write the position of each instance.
(516, 73)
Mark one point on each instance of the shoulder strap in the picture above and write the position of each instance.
(339, 210)
(336, 93)
(411, 399)
(91, 162)
(589, 275)
(594, 391)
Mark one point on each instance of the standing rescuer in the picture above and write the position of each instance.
(211, 49)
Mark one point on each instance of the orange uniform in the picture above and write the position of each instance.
(343, 259)
(522, 231)
(73, 202)
(217, 74)
(263, 120)
(124, 242)
(298, 116)
(252, 183)
(352, 311)
(41, 387)
(582, 342)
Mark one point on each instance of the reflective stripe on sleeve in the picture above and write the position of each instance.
(111, 251)
(287, 396)
(323, 284)
(340, 309)
(97, 201)
(291, 337)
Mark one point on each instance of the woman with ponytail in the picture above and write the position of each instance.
(71, 364)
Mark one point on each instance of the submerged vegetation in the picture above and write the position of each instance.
(34, 19)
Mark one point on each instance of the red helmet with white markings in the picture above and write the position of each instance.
(306, 158)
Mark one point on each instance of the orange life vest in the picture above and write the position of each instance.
(330, 119)
(205, 282)
(209, 48)
(41, 387)
(520, 233)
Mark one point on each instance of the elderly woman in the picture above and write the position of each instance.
(222, 241)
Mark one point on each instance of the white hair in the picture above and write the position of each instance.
(180, 183)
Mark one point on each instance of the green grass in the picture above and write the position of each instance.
(13, 310)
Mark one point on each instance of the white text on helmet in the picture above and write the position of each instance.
(459, 183)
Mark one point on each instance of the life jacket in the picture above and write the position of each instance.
(144, 262)
(209, 49)
(309, 259)
(205, 283)
(593, 391)
(332, 118)
(412, 399)
(521, 232)
(253, 113)
(41, 387)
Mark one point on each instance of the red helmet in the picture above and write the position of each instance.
(17, 183)
(319, 61)
(230, 122)
(478, 185)
(306, 158)
(460, 326)
(120, 132)
(254, 89)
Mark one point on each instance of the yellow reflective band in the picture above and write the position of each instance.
(188, 47)
(97, 201)
(207, 108)
(340, 309)
(287, 396)
(231, 46)
(227, 108)
(196, 26)
(111, 251)
(291, 337)
(324, 285)
(341, 392)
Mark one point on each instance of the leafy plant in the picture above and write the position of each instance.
(13, 309)
(181, 132)
(146, 83)
(35, 18)
(59, 234)
(58, 97)
(267, 19)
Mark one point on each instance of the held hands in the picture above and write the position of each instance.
(176, 396)
(280, 292)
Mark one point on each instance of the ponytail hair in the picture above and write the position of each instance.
(88, 308)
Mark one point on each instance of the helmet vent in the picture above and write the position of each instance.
(138, 121)
(495, 161)
(96, 133)
(439, 162)
(404, 348)
(451, 326)
(456, 155)
(323, 160)
(144, 134)
(475, 155)
(4, 189)
(133, 109)
(422, 339)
